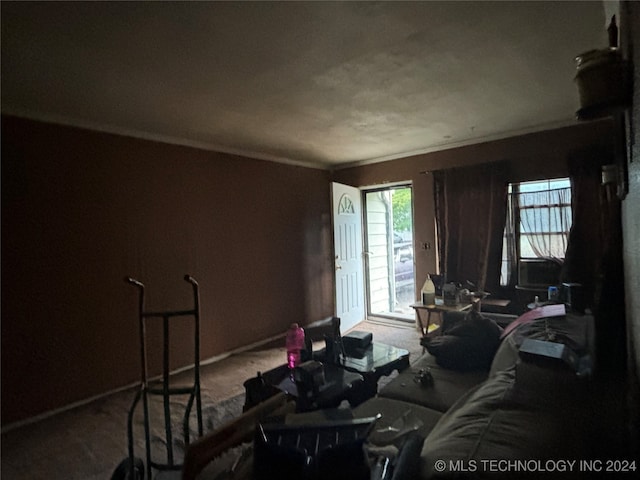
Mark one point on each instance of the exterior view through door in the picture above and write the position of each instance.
(389, 247)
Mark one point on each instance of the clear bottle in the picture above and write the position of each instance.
(428, 292)
(294, 343)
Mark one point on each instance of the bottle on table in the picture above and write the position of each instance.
(295, 344)
(428, 292)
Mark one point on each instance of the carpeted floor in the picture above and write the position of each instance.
(88, 442)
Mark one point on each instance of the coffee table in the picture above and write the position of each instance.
(377, 360)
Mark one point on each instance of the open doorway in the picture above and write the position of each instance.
(390, 272)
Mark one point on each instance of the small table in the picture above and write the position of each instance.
(499, 303)
(438, 307)
(378, 360)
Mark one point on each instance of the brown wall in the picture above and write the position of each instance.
(533, 156)
(82, 209)
(631, 211)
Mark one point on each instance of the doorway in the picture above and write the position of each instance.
(347, 232)
(389, 269)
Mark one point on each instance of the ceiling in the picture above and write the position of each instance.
(313, 83)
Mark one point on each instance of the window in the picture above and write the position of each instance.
(538, 224)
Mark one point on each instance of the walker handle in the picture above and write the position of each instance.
(191, 280)
(134, 282)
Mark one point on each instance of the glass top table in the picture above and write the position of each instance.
(376, 361)
(339, 384)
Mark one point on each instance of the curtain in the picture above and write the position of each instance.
(552, 218)
(594, 256)
(586, 238)
(470, 216)
(510, 247)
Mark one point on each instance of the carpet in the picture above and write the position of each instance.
(89, 441)
(217, 412)
(213, 417)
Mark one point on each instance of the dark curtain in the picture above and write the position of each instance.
(584, 250)
(470, 217)
(594, 254)
(595, 230)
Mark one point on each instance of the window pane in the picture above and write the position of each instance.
(547, 245)
(557, 245)
(533, 186)
(543, 185)
(559, 183)
(526, 250)
(544, 210)
(560, 219)
(534, 220)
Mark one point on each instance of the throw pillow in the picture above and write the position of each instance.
(468, 345)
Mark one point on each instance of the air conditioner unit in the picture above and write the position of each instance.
(538, 272)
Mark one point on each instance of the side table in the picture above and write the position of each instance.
(438, 307)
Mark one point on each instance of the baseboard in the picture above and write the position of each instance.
(86, 401)
(388, 322)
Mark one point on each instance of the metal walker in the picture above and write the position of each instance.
(132, 467)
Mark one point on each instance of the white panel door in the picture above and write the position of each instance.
(347, 232)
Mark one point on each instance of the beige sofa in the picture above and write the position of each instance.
(476, 424)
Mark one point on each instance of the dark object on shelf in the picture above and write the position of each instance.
(573, 295)
(603, 79)
(356, 343)
(612, 31)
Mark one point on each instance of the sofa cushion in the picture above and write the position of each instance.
(469, 344)
(447, 387)
(488, 424)
(575, 331)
